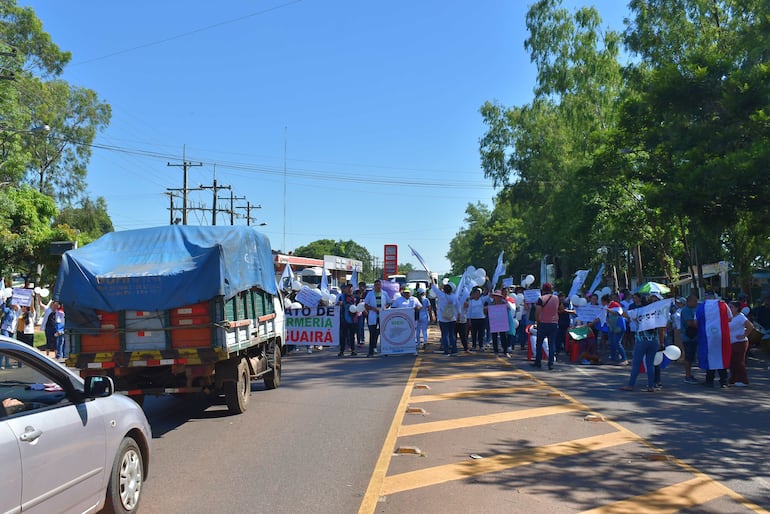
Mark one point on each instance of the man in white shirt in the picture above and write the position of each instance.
(375, 301)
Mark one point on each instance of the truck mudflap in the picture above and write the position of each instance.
(146, 358)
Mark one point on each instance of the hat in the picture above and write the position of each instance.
(547, 287)
(407, 290)
(497, 292)
(613, 305)
(420, 290)
(681, 299)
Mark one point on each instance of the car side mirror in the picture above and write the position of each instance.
(98, 387)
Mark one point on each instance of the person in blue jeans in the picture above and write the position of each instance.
(547, 318)
(616, 328)
(448, 309)
(646, 344)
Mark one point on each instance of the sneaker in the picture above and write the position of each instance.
(690, 380)
(309, 350)
(508, 355)
(353, 354)
(658, 386)
(740, 384)
(340, 354)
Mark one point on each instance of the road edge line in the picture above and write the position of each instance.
(372, 495)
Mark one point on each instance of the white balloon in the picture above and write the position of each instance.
(605, 291)
(582, 303)
(575, 299)
(530, 280)
(524, 282)
(519, 299)
(445, 281)
(37, 290)
(353, 309)
(296, 285)
(481, 273)
(8, 292)
(658, 358)
(44, 292)
(287, 303)
(296, 305)
(672, 352)
(471, 270)
(361, 307)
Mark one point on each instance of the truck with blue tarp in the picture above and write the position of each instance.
(175, 309)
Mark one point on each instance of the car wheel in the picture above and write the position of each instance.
(273, 378)
(237, 391)
(126, 479)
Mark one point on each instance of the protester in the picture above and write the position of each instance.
(713, 340)
(360, 318)
(646, 345)
(740, 326)
(565, 313)
(497, 298)
(447, 317)
(689, 330)
(547, 319)
(476, 306)
(616, 328)
(376, 300)
(512, 323)
(421, 325)
(463, 327)
(348, 324)
(25, 329)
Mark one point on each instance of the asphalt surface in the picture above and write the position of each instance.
(480, 433)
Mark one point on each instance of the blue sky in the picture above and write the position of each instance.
(370, 107)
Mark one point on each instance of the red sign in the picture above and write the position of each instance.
(390, 262)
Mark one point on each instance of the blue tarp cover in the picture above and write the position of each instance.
(165, 267)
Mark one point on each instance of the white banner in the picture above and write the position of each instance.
(309, 297)
(577, 283)
(651, 316)
(313, 326)
(588, 313)
(397, 334)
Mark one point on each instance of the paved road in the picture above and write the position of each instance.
(324, 441)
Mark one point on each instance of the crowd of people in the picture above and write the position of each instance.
(544, 328)
(20, 322)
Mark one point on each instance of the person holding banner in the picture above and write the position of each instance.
(375, 300)
(547, 319)
(447, 317)
(650, 337)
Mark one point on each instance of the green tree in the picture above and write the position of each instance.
(91, 219)
(25, 229)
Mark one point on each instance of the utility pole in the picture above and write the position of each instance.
(185, 166)
(232, 205)
(215, 188)
(171, 197)
(248, 208)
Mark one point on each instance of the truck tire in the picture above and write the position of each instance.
(238, 391)
(126, 479)
(273, 377)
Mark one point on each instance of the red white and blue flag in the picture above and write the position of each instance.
(713, 335)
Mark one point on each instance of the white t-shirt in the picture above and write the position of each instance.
(738, 328)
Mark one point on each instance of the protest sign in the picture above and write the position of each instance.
(508, 282)
(21, 297)
(397, 333)
(313, 326)
(531, 295)
(498, 318)
(309, 297)
(588, 313)
(651, 316)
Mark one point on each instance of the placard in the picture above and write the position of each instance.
(531, 295)
(588, 313)
(397, 333)
(309, 297)
(313, 326)
(22, 296)
(498, 318)
(508, 282)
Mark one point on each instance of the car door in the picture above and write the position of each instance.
(61, 442)
(10, 470)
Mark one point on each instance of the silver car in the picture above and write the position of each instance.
(66, 445)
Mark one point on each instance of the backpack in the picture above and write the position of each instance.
(616, 322)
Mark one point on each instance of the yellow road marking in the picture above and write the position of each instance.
(471, 394)
(667, 500)
(487, 419)
(369, 502)
(466, 469)
(463, 376)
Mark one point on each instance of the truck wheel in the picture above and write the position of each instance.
(238, 391)
(126, 479)
(273, 378)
